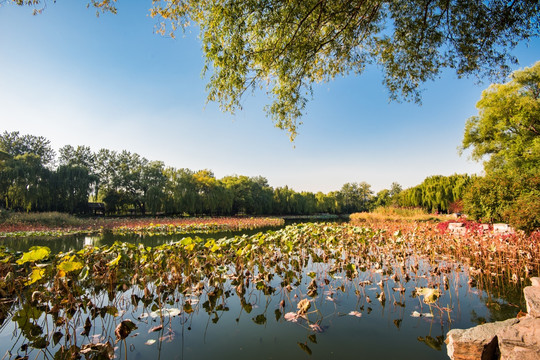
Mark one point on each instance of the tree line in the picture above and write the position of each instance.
(34, 178)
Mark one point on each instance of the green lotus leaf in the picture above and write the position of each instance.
(35, 275)
(68, 266)
(36, 253)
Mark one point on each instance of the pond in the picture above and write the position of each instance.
(314, 291)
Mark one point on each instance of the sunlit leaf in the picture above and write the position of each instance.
(69, 266)
(36, 253)
(303, 306)
(115, 261)
(430, 295)
(35, 275)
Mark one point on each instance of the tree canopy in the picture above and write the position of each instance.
(285, 47)
(507, 127)
(506, 132)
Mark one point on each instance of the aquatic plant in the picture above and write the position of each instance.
(301, 272)
(141, 226)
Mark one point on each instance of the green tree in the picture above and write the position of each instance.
(288, 46)
(436, 193)
(81, 156)
(13, 143)
(152, 184)
(507, 127)
(506, 133)
(181, 191)
(71, 186)
(382, 198)
(25, 183)
(355, 197)
(214, 198)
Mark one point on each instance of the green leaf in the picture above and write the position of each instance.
(35, 275)
(35, 253)
(115, 261)
(68, 266)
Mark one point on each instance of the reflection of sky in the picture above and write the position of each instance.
(383, 331)
(89, 241)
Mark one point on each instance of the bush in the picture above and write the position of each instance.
(505, 197)
(524, 213)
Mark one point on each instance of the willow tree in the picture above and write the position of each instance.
(286, 46)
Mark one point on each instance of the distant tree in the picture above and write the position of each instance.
(355, 197)
(326, 203)
(4, 156)
(287, 46)
(181, 191)
(435, 193)
(71, 186)
(81, 156)
(382, 198)
(25, 183)
(395, 190)
(214, 199)
(153, 182)
(15, 144)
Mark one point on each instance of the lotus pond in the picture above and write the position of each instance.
(316, 291)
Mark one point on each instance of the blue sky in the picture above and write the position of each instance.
(110, 82)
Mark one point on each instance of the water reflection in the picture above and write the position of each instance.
(264, 297)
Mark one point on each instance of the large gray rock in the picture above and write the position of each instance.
(532, 297)
(513, 339)
(520, 341)
(479, 342)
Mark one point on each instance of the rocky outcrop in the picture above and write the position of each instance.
(479, 342)
(521, 341)
(513, 339)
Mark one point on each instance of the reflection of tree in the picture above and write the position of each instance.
(435, 343)
(503, 299)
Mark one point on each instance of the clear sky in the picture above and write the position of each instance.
(110, 82)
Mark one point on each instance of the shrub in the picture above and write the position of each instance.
(524, 213)
(505, 197)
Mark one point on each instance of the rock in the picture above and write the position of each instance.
(520, 341)
(455, 225)
(502, 229)
(535, 281)
(457, 228)
(532, 299)
(479, 342)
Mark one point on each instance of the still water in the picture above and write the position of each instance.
(347, 318)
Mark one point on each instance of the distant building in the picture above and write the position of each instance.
(96, 208)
